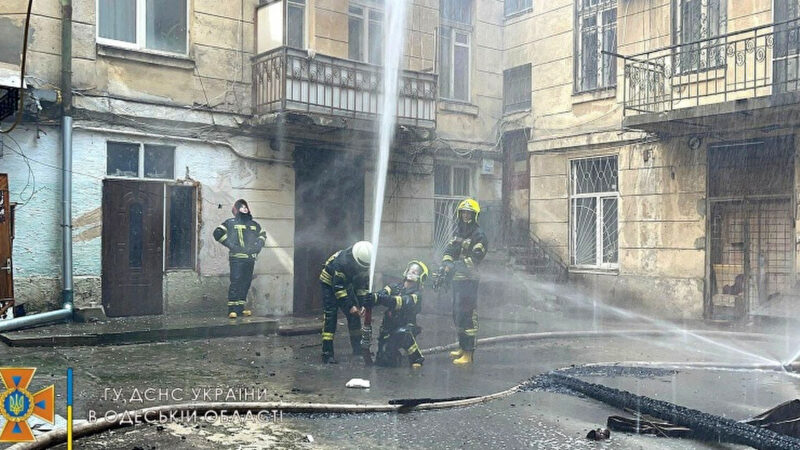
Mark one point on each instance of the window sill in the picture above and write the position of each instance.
(458, 106)
(591, 96)
(514, 15)
(147, 57)
(594, 271)
(516, 112)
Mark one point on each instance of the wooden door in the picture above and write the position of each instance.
(133, 234)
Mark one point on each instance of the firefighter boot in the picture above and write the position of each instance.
(246, 313)
(232, 315)
(466, 358)
(327, 352)
(457, 353)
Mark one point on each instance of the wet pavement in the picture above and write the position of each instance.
(289, 369)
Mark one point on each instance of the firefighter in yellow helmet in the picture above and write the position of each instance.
(345, 285)
(461, 259)
(403, 301)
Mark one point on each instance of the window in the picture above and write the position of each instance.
(295, 23)
(180, 236)
(517, 6)
(597, 33)
(133, 160)
(454, 49)
(593, 202)
(786, 54)
(517, 89)
(365, 26)
(158, 25)
(696, 21)
(451, 184)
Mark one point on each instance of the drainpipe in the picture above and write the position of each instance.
(66, 150)
(65, 313)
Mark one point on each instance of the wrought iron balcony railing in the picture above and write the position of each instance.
(287, 79)
(755, 62)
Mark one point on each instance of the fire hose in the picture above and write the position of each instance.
(731, 431)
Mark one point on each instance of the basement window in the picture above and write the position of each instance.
(157, 25)
(134, 160)
(594, 219)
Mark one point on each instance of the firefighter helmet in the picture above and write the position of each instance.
(416, 271)
(362, 253)
(471, 205)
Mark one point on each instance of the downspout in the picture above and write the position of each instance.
(65, 313)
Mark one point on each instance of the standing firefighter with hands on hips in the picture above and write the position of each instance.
(403, 301)
(461, 257)
(244, 238)
(345, 285)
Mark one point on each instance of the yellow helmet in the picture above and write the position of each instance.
(416, 271)
(471, 205)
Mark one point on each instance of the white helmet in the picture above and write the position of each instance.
(362, 253)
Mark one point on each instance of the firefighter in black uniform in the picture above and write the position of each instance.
(403, 302)
(463, 254)
(244, 238)
(345, 285)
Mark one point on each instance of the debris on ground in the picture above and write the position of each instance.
(600, 434)
(358, 383)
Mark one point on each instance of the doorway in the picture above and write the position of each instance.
(751, 225)
(329, 216)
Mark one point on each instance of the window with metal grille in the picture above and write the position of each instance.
(594, 198)
(517, 89)
(181, 217)
(455, 35)
(596, 41)
(451, 184)
(512, 7)
(144, 24)
(695, 22)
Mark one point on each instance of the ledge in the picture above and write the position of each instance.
(147, 57)
(590, 96)
(458, 107)
(517, 14)
(587, 271)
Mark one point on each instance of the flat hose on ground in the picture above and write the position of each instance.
(56, 437)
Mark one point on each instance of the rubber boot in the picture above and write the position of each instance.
(232, 315)
(327, 353)
(457, 353)
(466, 358)
(246, 313)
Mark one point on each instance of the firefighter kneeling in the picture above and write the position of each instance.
(403, 302)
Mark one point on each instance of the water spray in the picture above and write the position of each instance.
(393, 52)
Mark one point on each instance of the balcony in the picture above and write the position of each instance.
(692, 84)
(288, 80)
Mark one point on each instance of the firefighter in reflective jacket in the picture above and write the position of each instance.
(463, 254)
(345, 285)
(403, 302)
(244, 238)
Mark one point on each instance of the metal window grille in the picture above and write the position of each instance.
(594, 201)
(595, 42)
(696, 21)
(451, 184)
(517, 88)
(515, 6)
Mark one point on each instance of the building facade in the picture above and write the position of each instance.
(182, 107)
